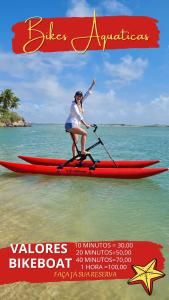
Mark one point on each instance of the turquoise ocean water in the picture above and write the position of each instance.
(43, 208)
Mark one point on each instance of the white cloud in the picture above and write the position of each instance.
(154, 112)
(128, 70)
(161, 103)
(41, 63)
(116, 7)
(159, 109)
(79, 9)
(107, 7)
(109, 108)
(45, 83)
(46, 91)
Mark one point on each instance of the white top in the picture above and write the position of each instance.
(75, 116)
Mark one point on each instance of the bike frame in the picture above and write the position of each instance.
(84, 156)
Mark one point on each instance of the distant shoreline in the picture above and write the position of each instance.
(113, 125)
(27, 124)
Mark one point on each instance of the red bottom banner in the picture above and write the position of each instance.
(67, 261)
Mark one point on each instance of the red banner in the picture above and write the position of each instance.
(82, 34)
(52, 262)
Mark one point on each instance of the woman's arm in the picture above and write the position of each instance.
(89, 90)
(93, 83)
(85, 124)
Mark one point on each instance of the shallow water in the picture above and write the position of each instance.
(43, 208)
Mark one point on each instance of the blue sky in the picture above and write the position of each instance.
(132, 85)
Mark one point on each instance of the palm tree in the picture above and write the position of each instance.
(15, 103)
(8, 100)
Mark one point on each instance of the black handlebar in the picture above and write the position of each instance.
(95, 127)
(100, 142)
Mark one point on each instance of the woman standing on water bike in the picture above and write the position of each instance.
(75, 118)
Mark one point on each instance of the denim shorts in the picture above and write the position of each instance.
(68, 126)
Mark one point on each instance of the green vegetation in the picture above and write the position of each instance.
(10, 116)
(8, 102)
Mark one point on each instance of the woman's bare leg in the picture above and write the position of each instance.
(83, 134)
(75, 141)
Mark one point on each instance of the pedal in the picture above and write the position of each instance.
(83, 156)
(79, 164)
(92, 167)
(60, 166)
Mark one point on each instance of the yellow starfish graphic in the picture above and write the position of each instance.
(146, 275)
